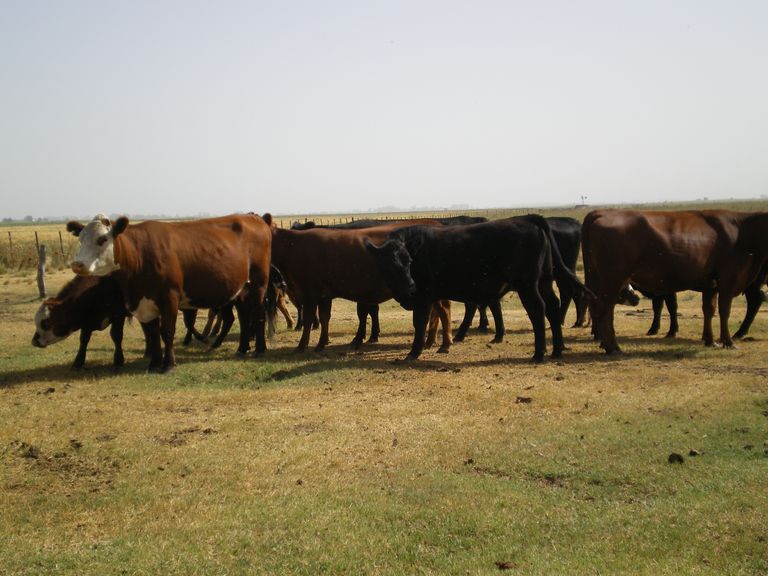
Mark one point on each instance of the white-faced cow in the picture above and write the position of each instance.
(162, 267)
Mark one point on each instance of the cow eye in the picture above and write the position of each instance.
(45, 324)
(102, 240)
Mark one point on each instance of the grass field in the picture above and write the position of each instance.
(345, 462)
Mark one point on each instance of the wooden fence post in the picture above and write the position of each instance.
(10, 249)
(41, 271)
(61, 245)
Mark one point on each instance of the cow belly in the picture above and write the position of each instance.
(146, 311)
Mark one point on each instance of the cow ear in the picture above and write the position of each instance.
(74, 227)
(267, 218)
(370, 246)
(120, 225)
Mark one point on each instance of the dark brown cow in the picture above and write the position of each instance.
(321, 264)
(716, 252)
(161, 267)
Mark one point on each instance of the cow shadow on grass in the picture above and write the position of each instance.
(282, 362)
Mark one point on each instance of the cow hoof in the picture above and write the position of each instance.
(557, 353)
(356, 344)
(670, 334)
(497, 340)
(373, 340)
(76, 367)
(155, 370)
(458, 338)
(443, 350)
(410, 359)
(537, 358)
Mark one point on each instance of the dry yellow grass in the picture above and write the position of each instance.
(351, 462)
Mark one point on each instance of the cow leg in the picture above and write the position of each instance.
(671, 302)
(362, 320)
(116, 333)
(498, 321)
(483, 326)
(154, 347)
(534, 306)
(284, 310)
(658, 306)
(755, 298)
(299, 318)
(552, 310)
(85, 338)
(227, 318)
(324, 308)
(420, 319)
(469, 313)
(566, 296)
(602, 324)
(581, 312)
(189, 317)
(307, 310)
(212, 316)
(708, 309)
(259, 321)
(375, 327)
(168, 314)
(724, 309)
(443, 309)
(431, 326)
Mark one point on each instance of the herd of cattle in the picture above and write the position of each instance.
(244, 262)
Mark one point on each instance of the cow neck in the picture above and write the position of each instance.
(126, 255)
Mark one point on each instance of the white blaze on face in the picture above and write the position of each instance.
(44, 335)
(146, 311)
(96, 255)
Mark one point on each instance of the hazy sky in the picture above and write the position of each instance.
(187, 107)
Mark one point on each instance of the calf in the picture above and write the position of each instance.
(86, 304)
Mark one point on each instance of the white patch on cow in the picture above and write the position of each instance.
(44, 337)
(96, 255)
(146, 311)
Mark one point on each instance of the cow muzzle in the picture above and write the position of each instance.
(36, 341)
(80, 269)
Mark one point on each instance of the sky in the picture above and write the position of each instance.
(188, 107)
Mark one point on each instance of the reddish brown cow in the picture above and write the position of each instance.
(321, 264)
(716, 252)
(161, 267)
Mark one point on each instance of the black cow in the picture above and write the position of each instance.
(567, 235)
(478, 263)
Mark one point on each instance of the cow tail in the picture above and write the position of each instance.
(563, 275)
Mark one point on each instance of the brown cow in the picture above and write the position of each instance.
(162, 267)
(710, 251)
(321, 264)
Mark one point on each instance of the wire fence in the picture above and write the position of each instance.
(20, 245)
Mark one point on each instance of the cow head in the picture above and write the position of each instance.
(47, 331)
(96, 255)
(394, 263)
(628, 296)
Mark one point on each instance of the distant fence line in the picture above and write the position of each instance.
(20, 246)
